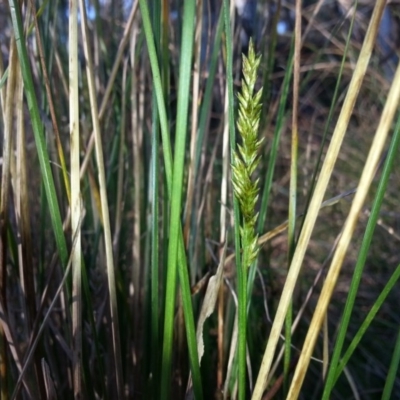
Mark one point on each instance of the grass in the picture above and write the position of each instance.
(132, 265)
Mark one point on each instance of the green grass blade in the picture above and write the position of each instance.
(38, 131)
(393, 371)
(175, 250)
(367, 322)
(180, 253)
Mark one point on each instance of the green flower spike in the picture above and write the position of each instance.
(246, 158)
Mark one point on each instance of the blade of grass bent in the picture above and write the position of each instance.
(350, 224)
(316, 200)
(104, 204)
(391, 157)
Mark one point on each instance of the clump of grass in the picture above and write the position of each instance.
(99, 334)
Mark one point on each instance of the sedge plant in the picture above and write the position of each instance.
(245, 162)
(148, 191)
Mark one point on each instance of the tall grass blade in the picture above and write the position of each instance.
(183, 273)
(175, 253)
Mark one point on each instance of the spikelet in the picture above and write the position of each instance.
(246, 157)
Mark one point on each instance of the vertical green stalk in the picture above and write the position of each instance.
(176, 254)
(245, 162)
